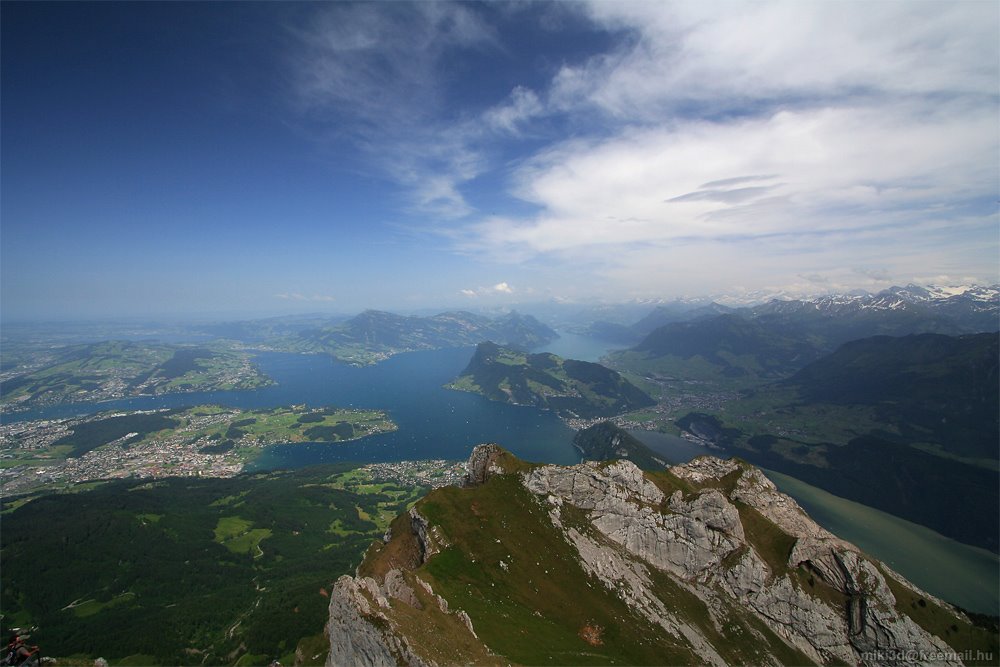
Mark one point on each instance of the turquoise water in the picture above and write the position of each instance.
(575, 346)
(958, 573)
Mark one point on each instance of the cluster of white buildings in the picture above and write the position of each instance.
(433, 473)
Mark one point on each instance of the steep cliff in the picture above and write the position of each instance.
(704, 563)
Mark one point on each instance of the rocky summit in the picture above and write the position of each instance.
(598, 563)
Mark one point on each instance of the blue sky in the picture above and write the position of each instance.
(230, 158)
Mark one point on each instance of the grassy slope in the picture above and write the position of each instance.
(531, 603)
(946, 625)
(534, 611)
(539, 606)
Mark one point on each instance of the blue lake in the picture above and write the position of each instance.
(433, 422)
(439, 423)
(575, 346)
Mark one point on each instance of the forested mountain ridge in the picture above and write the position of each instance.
(897, 423)
(568, 387)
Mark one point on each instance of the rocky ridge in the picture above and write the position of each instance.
(722, 566)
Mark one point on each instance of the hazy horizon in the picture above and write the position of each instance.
(237, 160)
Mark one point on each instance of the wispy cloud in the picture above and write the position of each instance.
(295, 296)
(373, 74)
(724, 195)
(751, 142)
(764, 125)
(510, 115)
(735, 57)
(379, 65)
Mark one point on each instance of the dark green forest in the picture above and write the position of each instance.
(183, 571)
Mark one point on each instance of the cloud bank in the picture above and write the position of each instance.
(712, 144)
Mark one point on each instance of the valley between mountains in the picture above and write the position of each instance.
(292, 464)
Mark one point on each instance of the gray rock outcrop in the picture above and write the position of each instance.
(712, 531)
(355, 628)
(481, 464)
(701, 540)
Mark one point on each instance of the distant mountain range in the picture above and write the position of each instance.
(890, 399)
(897, 311)
(568, 387)
(893, 311)
(374, 335)
(746, 346)
(898, 423)
(933, 388)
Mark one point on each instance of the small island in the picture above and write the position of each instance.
(570, 388)
(202, 441)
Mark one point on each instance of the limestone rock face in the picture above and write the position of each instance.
(419, 526)
(701, 540)
(626, 507)
(354, 638)
(481, 464)
(712, 534)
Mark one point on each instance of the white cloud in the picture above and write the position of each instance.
(522, 106)
(833, 170)
(762, 141)
(730, 143)
(494, 290)
(734, 54)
